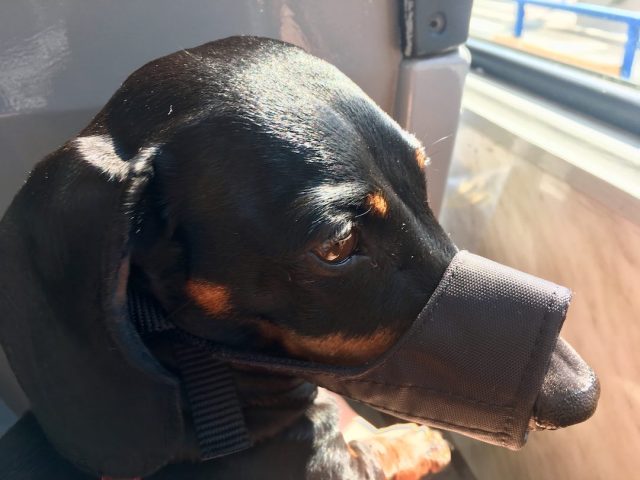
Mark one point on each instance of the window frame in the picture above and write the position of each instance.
(610, 101)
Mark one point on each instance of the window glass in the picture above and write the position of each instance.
(600, 36)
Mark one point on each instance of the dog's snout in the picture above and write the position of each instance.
(569, 392)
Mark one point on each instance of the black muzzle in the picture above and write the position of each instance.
(476, 360)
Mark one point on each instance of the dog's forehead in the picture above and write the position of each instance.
(323, 122)
(260, 84)
(307, 102)
(314, 109)
(284, 118)
(286, 92)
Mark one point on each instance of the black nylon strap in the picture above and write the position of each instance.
(216, 411)
(215, 407)
(146, 314)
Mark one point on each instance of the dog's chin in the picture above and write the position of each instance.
(569, 392)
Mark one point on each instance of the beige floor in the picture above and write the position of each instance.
(505, 208)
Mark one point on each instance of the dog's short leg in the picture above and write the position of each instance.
(403, 451)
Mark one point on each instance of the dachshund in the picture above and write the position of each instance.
(283, 212)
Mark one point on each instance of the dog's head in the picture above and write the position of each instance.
(256, 193)
(290, 210)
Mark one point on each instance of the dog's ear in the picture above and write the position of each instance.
(102, 399)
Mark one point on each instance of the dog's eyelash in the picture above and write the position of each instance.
(342, 233)
(332, 232)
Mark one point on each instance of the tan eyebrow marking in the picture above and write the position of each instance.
(377, 203)
(335, 348)
(421, 157)
(214, 298)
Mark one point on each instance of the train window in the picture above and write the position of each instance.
(599, 36)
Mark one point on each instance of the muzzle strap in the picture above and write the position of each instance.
(209, 385)
(215, 407)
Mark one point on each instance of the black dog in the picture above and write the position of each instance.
(234, 201)
(285, 213)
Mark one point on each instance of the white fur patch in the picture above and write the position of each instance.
(99, 151)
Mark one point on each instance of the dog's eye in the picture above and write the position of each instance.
(337, 250)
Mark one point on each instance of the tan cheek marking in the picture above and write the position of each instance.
(212, 297)
(377, 203)
(335, 348)
(421, 157)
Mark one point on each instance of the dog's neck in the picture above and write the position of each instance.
(271, 403)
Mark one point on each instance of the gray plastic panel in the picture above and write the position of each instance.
(432, 27)
(428, 105)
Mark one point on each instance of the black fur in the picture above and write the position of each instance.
(269, 153)
(260, 153)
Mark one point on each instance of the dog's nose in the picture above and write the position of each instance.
(569, 393)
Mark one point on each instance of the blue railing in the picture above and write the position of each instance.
(632, 19)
